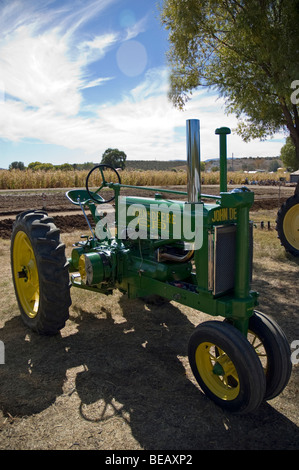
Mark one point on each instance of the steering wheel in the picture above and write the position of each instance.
(94, 195)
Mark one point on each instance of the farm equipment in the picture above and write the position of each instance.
(196, 252)
(287, 223)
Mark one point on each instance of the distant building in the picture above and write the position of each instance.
(294, 177)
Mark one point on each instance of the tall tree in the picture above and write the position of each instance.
(16, 166)
(115, 158)
(288, 155)
(247, 50)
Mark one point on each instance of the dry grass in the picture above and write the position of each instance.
(267, 246)
(28, 179)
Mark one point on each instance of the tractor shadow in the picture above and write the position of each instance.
(134, 371)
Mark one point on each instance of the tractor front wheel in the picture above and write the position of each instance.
(40, 272)
(227, 367)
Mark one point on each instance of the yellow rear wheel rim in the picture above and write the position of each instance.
(291, 226)
(217, 371)
(26, 274)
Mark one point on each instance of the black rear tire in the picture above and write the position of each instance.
(40, 272)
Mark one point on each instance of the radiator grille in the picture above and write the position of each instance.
(222, 257)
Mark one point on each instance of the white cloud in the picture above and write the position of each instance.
(137, 125)
(136, 28)
(97, 82)
(95, 49)
(40, 64)
(155, 83)
(142, 124)
(38, 72)
(76, 13)
(17, 13)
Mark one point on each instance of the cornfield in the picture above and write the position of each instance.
(28, 179)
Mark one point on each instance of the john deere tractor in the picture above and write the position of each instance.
(196, 251)
(287, 223)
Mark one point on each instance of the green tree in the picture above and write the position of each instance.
(247, 51)
(65, 167)
(115, 158)
(46, 167)
(17, 166)
(274, 165)
(36, 166)
(288, 155)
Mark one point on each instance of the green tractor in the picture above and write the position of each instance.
(287, 224)
(197, 252)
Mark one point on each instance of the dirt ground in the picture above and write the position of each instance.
(117, 376)
(69, 218)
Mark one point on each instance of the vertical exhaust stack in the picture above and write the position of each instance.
(193, 160)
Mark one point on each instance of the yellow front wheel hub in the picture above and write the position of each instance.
(26, 274)
(291, 226)
(217, 371)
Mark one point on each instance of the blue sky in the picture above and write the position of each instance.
(79, 76)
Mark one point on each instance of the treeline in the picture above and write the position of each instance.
(38, 166)
(156, 165)
(247, 164)
(141, 165)
(238, 164)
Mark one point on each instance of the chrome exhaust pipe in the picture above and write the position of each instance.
(193, 160)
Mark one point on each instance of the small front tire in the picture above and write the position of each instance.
(226, 367)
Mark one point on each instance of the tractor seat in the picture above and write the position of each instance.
(74, 194)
